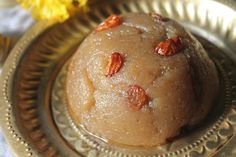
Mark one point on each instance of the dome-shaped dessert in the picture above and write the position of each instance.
(138, 79)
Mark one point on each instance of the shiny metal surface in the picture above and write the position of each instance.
(5, 47)
(35, 120)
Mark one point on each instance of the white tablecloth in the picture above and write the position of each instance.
(4, 148)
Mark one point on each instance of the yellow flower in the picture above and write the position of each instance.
(57, 10)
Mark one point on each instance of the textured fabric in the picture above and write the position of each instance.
(4, 148)
(14, 21)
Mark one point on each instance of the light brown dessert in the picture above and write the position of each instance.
(138, 79)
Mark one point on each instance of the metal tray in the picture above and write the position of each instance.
(34, 115)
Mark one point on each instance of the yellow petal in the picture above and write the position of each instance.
(57, 10)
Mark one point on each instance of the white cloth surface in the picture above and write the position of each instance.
(14, 22)
(4, 148)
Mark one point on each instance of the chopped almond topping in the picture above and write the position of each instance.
(110, 22)
(137, 97)
(169, 47)
(114, 65)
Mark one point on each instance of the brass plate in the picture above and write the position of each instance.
(35, 120)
